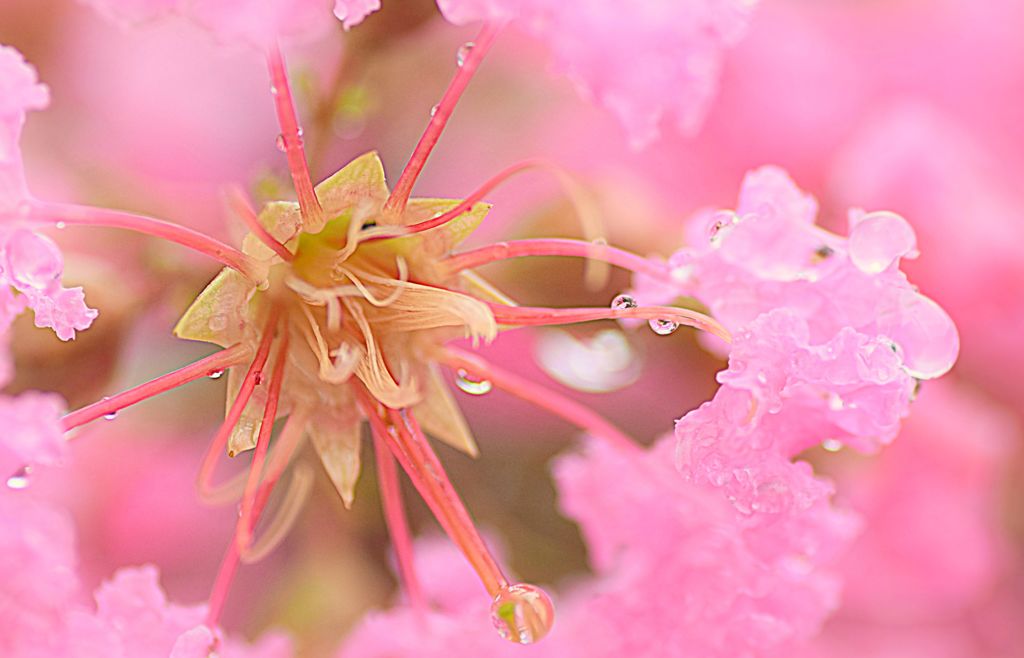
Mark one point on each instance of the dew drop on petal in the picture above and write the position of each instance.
(33, 260)
(663, 326)
(924, 332)
(878, 239)
(835, 402)
(467, 383)
(463, 53)
(522, 613)
(622, 302)
(20, 479)
(722, 223)
(60, 225)
(832, 445)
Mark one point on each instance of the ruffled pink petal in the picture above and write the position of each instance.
(20, 91)
(353, 12)
(32, 433)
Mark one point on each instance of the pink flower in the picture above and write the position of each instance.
(32, 432)
(646, 62)
(30, 263)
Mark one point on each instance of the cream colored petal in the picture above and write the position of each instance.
(425, 307)
(373, 371)
(337, 441)
(446, 237)
(243, 436)
(221, 311)
(361, 180)
(440, 416)
(484, 289)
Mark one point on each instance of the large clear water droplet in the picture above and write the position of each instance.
(33, 260)
(471, 384)
(663, 326)
(20, 478)
(463, 53)
(878, 239)
(522, 613)
(623, 301)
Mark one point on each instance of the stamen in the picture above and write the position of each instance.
(403, 277)
(206, 489)
(238, 202)
(222, 360)
(60, 213)
(498, 251)
(243, 534)
(291, 137)
(399, 431)
(403, 188)
(541, 396)
(398, 527)
(373, 370)
(538, 316)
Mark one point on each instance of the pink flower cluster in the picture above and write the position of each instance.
(43, 614)
(31, 264)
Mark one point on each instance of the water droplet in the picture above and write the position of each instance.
(282, 146)
(721, 225)
(60, 225)
(216, 374)
(463, 53)
(111, 416)
(20, 478)
(434, 110)
(836, 403)
(471, 384)
(623, 302)
(522, 613)
(879, 239)
(33, 260)
(273, 90)
(663, 326)
(832, 445)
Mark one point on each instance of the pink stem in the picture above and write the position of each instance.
(469, 201)
(290, 437)
(403, 437)
(403, 188)
(241, 206)
(556, 247)
(59, 213)
(543, 397)
(291, 135)
(247, 522)
(222, 584)
(526, 316)
(214, 363)
(398, 527)
(252, 376)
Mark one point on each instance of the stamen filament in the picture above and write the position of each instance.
(243, 533)
(238, 202)
(525, 316)
(560, 405)
(206, 488)
(61, 213)
(291, 135)
(219, 361)
(398, 527)
(403, 188)
(403, 437)
(498, 251)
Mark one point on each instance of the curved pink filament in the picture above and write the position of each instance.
(403, 188)
(246, 523)
(252, 377)
(498, 251)
(291, 135)
(63, 213)
(398, 526)
(217, 362)
(526, 316)
(560, 405)
(242, 208)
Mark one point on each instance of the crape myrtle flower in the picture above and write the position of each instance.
(646, 61)
(338, 310)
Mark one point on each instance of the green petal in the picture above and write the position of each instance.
(220, 312)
